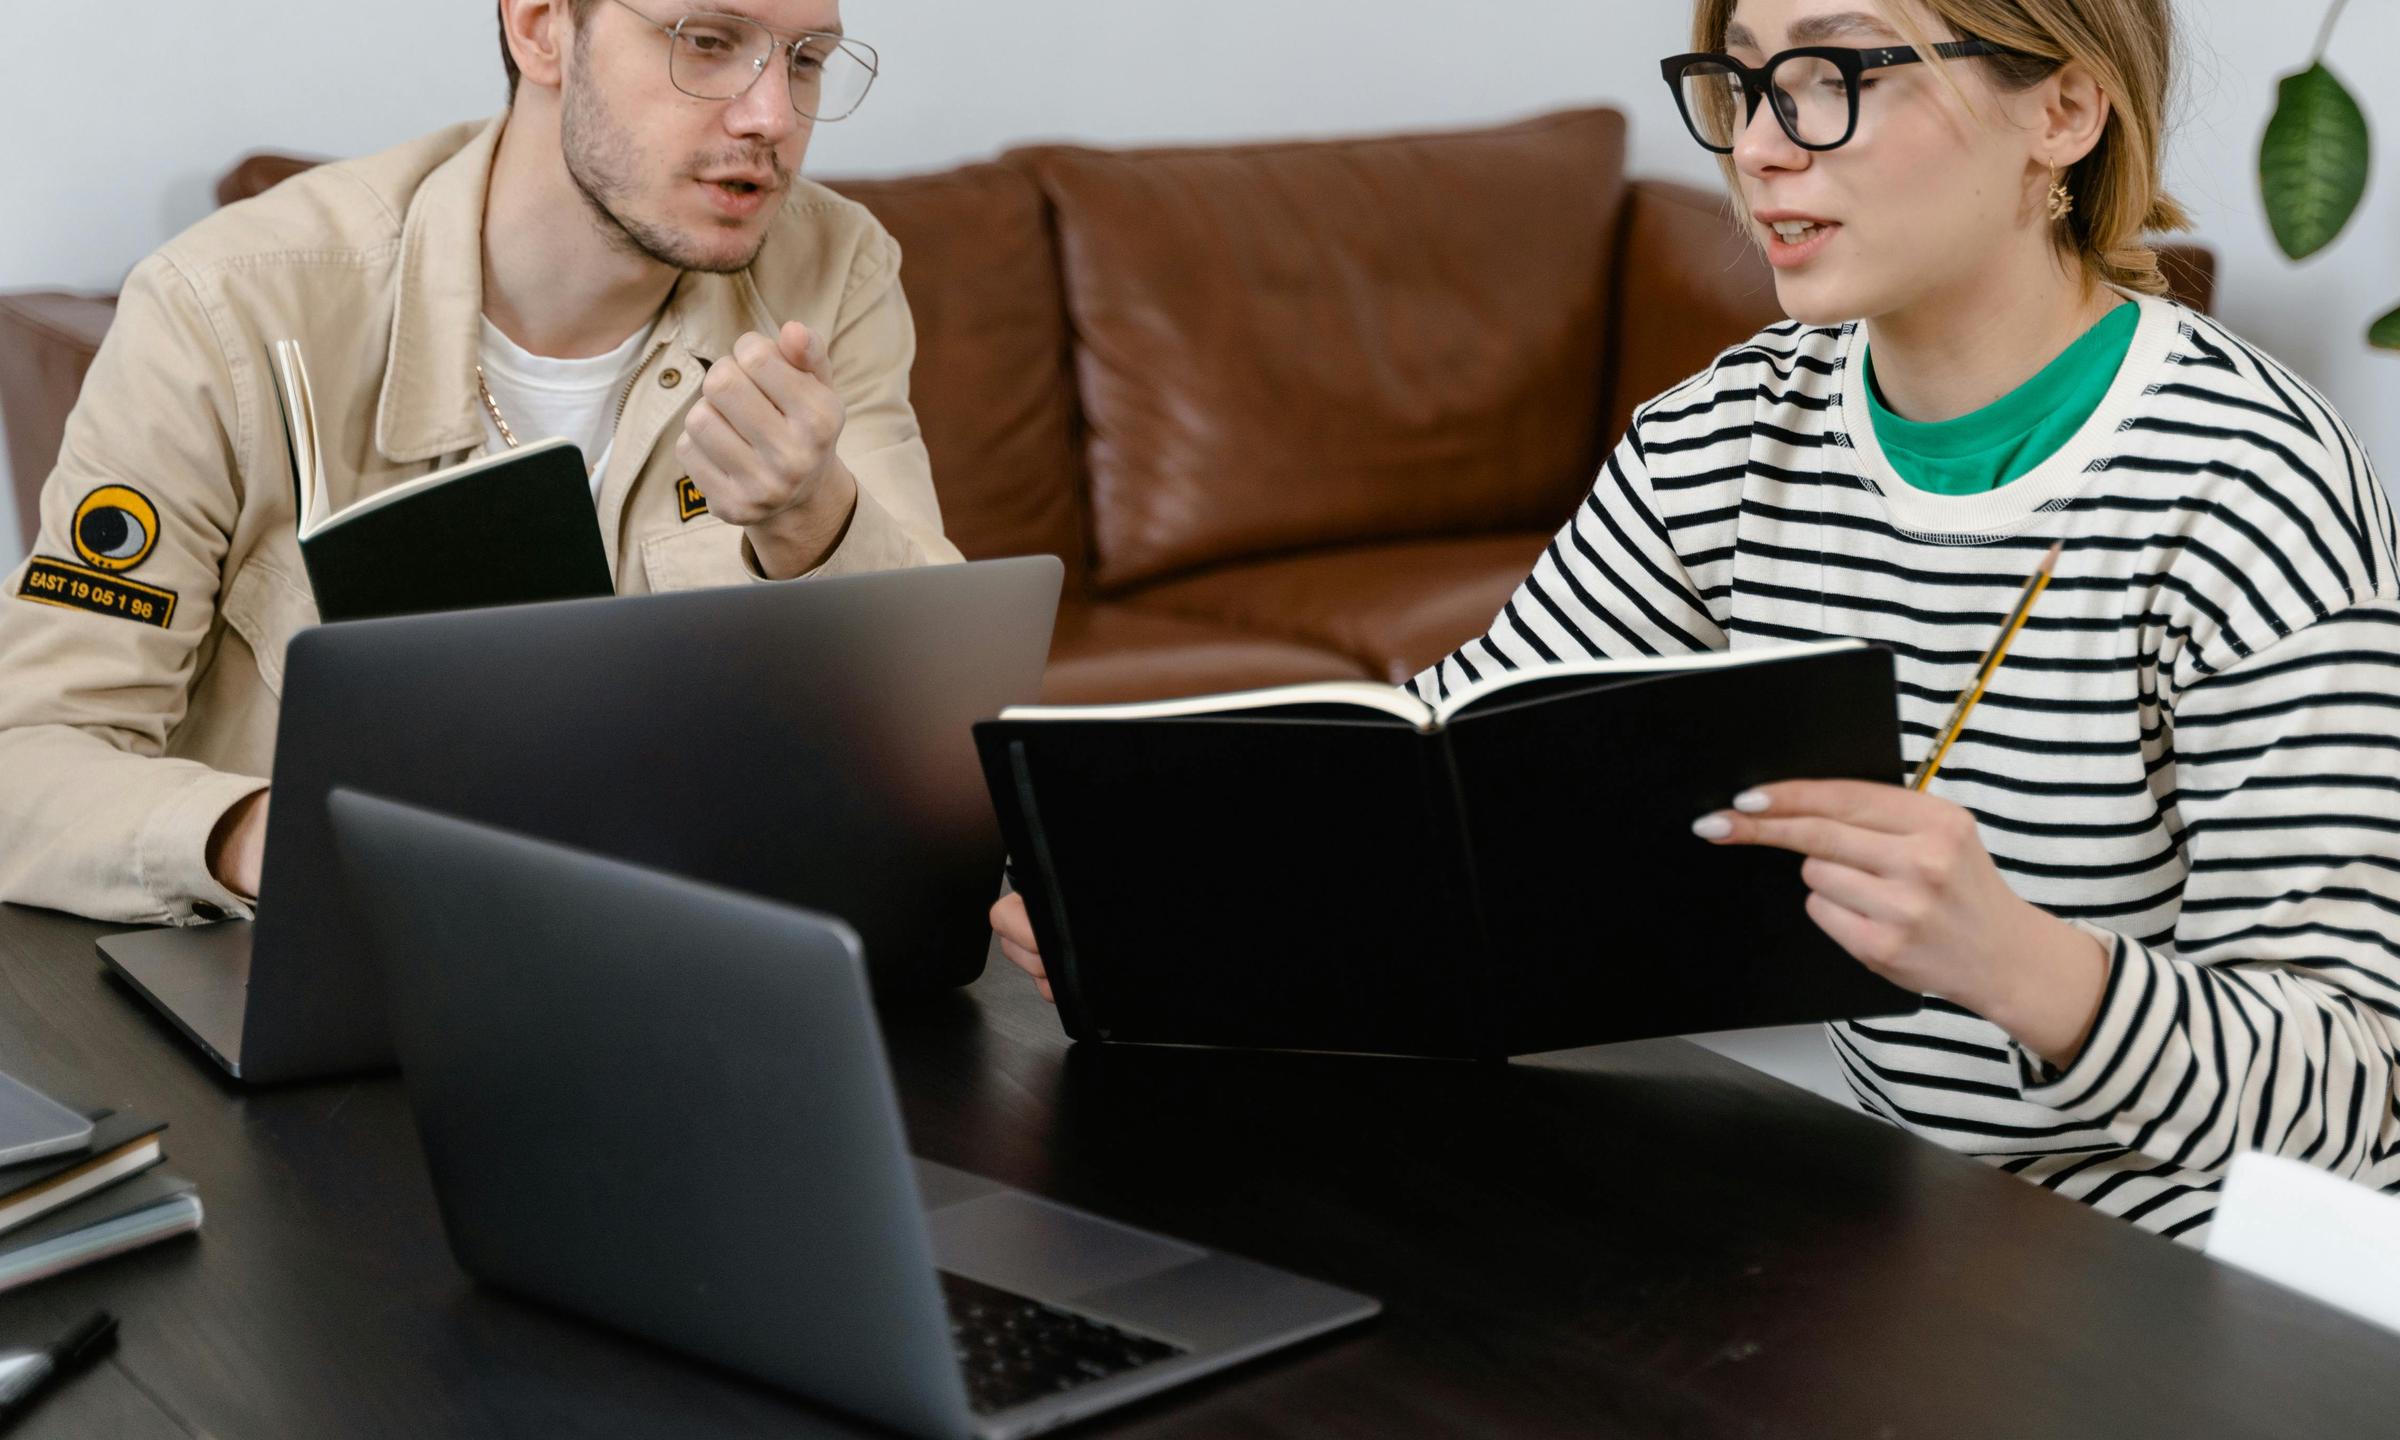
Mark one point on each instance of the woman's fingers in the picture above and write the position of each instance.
(1873, 851)
(1015, 929)
(1029, 961)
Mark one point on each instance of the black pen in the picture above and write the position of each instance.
(25, 1374)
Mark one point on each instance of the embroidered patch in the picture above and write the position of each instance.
(115, 528)
(55, 582)
(689, 502)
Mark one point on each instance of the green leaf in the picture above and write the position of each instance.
(2385, 333)
(2312, 162)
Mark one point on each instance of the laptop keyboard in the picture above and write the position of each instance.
(1013, 1349)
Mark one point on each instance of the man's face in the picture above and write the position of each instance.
(690, 183)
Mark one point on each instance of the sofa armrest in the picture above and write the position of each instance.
(1688, 285)
(47, 341)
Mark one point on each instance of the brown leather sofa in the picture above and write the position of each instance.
(1287, 411)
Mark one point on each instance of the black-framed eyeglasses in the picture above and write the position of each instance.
(719, 57)
(1815, 88)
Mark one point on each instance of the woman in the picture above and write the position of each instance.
(2155, 887)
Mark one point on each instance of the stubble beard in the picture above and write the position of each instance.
(602, 162)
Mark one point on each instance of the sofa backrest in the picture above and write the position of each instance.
(992, 388)
(1290, 346)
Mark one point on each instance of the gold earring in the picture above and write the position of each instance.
(2062, 200)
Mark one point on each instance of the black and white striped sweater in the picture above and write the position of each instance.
(2193, 749)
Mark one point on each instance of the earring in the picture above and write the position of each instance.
(2062, 200)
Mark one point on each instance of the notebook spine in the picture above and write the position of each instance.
(1483, 978)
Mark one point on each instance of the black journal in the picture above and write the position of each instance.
(1340, 867)
(506, 529)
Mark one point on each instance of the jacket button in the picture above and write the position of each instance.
(670, 379)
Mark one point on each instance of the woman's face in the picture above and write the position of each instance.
(1926, 199)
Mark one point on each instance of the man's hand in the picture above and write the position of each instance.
(759, 444)
(237, 847)
(1015, 929)
(1902, 881)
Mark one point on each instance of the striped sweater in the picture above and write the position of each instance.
(2193, 750)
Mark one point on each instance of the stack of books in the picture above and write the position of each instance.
(78, 1187)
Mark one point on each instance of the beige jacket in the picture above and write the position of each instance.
(140, 673)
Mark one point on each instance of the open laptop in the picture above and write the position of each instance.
(665, 1106)
(809, 742)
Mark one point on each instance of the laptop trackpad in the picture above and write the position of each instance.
(1046, 1251)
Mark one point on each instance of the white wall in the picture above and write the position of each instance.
(93, 176)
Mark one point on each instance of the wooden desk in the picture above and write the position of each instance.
(1637, 1240)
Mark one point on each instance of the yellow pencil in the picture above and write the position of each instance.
(2035, 583)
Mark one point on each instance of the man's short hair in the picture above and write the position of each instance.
(576, 8)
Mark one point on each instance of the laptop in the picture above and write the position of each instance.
(809, 742)
(664, 1106)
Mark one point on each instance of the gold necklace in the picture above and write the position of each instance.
(483, 388)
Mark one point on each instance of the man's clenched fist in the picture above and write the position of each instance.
(759, 444)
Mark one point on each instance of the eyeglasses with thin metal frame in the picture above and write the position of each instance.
(1758, 81)
(802, 48)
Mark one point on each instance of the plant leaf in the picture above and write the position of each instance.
(2312, 162)
(2385, 333)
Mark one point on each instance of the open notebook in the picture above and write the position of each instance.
(503, 529)
(1343, 867)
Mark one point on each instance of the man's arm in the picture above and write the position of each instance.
(806, 441)
(897, 522)
(100, 628)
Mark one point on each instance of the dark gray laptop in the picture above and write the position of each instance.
(665, 1106)
(806, 741)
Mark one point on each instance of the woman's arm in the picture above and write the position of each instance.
(1612, 585)
(2272, 1022)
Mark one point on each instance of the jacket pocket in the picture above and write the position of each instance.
(267, 608)
(702, 555)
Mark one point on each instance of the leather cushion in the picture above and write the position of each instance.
(1399, 608)
(991, 386)
(1288, 346)
(1109, 652)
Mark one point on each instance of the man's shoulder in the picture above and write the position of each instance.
(341, 211)
(822, 240)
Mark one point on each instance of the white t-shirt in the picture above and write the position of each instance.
(541, 397)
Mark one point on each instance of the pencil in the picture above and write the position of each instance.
(2035, 583)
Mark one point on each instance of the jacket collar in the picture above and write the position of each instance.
(428, 405)
(707, 313)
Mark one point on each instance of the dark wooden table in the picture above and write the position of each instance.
(1636, 1240)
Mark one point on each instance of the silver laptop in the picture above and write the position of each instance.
(809, 742)
(665, 1106)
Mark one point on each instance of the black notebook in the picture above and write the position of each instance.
(1342, 867)
(122, 1146)
(506, 529)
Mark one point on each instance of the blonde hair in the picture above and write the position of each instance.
(2127, 46)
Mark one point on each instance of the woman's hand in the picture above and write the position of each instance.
(1902, 881)
(1015, 929)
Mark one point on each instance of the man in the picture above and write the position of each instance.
(625, 257)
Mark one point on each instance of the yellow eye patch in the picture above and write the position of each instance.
(115, 528)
